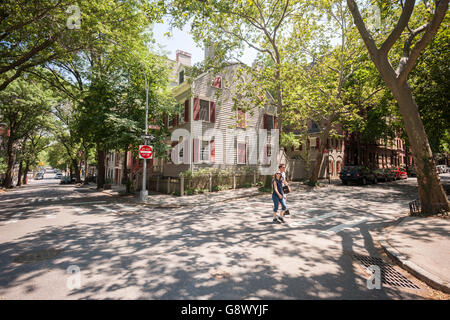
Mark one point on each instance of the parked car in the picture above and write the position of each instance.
(411, 172)
(442, 168)
(58, 176)
(358, 174)
(39, 176)
(400, 173)
(385, 175)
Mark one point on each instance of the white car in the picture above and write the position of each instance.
(58, 176)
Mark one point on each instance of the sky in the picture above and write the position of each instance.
(182, 40)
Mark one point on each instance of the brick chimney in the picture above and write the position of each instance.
(184, 58)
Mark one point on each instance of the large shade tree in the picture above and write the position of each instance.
(415, 32)
(24, 107)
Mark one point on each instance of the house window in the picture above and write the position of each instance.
(204, 110)
(217, 82)
(181, 155)
(242, 153)
(205, 152)
(270, 124)
(181, 77)
(312, 143)
(269, 151)
(314, 127)
(241, 118)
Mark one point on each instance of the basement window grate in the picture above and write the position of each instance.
(389, 275)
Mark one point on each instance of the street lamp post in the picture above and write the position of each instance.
(144, 192)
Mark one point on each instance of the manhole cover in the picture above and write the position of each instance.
(37, 256)
(389, 275)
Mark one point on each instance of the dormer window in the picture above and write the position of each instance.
(181, 77)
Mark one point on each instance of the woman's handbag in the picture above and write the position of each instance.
(286, 189)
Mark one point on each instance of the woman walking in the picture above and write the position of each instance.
(277, 197)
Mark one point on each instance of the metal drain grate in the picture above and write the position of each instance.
(389, 275)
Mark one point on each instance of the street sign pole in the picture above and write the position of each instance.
(144, 192)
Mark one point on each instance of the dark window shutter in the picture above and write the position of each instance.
(245, 152)
(212, 113)
(196, 109)
(213, 150)
(275, 122)
(186, 111)
(265, 121)
(300, 148)
(317, 143)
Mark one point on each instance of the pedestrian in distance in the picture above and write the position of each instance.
(278, 197)
(282, 169)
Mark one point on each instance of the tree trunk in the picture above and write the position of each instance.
(25, 174)
(19, 176)
(319, 156)
(100, 168)
(7, 182)
(125, 171)
(431, 193)
(86, 157)
(77, 170)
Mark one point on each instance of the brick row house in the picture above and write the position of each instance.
(378, 154)
(335, 150)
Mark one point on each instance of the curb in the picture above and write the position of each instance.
(427, 277)
(159, 206)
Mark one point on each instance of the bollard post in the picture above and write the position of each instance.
(168, 185)
(182, 184)
(210, 182)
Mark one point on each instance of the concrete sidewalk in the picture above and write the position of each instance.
(161, 200)
(421, 246)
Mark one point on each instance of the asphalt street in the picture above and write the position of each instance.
(69, 242)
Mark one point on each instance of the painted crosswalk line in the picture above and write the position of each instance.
(311, 220)
(343, 226)
(106, 209)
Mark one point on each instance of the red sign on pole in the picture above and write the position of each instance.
(145, 152)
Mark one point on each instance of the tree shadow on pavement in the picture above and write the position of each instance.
(190, 254)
